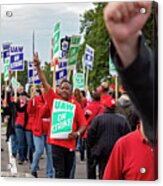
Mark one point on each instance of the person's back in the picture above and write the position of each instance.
(132, 158)
(109, 127)
(104, 131)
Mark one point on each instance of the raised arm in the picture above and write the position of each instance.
(40, 73)
(124, 22)
(136, 64)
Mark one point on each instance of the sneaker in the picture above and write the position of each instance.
(34, 174)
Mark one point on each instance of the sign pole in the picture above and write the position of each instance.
(116, 88)
(16, 77)
(87, 75)
(33, 77)
(69, 75)
(54, 75)
(5, 98)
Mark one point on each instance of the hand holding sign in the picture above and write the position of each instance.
(73, 135)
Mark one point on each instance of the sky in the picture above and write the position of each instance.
(40, 18)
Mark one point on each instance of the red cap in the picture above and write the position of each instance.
(110, 102)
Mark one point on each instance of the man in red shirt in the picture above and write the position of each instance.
(132, 158)
(63, 150)
(103, 90)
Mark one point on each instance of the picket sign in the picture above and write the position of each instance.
(56, 38)
(15, 83)
(61, 70)
(6, 68)
(89, 57)
(62, 119)
(73, 51)
(78, 81)
(16, 58)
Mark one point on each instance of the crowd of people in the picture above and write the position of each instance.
(28, 124)
(116, 137)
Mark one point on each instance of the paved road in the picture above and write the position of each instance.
(10, 167)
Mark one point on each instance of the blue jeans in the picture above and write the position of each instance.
(20, 134)
(40, 143)
(30, 145)
(14, 144)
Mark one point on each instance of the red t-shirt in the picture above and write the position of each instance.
(45, 115)
(37, 125)
(96, 108)
(79, 120)
(84, 103)
(20, 118)
(132, 158)
(31, 116)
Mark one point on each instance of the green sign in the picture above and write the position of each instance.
(56, 38)
(78, 81)
(62, 119)
(15, 83)
(73, 51)
(6, 69)
(75, 40)
(112, 69)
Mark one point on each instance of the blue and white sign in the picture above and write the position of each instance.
(60, 75)
(61, 70)
(89, 57)
(62, 64)
(32, 79)
(16, 58)
(6, 50)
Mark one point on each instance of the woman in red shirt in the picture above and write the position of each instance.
(63, 149)
(40, 130)
(21, 120)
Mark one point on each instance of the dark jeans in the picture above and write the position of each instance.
(63, 160)
(102, 164)
(93, 162)
(72, 172)
(82, 149)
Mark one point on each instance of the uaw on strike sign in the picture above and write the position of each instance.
(16, 58)
(62, 119)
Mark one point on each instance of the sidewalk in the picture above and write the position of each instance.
(8, 169)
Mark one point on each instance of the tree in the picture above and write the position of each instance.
(48, 73)
(96, 35)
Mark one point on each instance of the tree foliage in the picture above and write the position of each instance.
(96, 35)
(48, 73)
